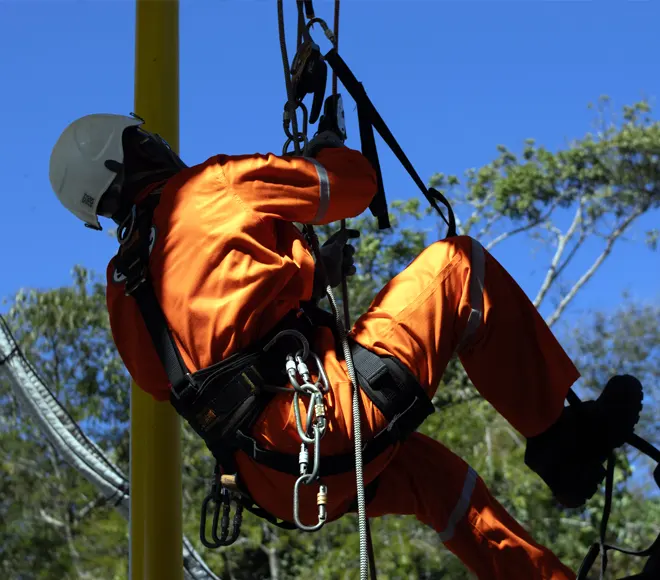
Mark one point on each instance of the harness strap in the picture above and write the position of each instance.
(378, 205)
(392, 387)
(132, 261)
(602, 547)
(161, 337)
(331, 464)
(370, 115)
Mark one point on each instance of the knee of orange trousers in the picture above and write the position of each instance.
(496, 547)
(512, 358)
(427, 480)
(420, 315)
(424, 479)
(515, 361)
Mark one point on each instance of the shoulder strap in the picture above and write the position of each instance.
(132, 261)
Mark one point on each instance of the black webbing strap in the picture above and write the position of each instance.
(331, 464)
(393, 389)
(602, 547)
(154, 319)
(309, 9)
(378, 205)
(652, 569)
(368, 111)
(132, 261)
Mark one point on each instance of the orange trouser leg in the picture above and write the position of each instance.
(455, 297)
(427, 480)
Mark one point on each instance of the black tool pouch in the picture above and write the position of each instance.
(225, 398)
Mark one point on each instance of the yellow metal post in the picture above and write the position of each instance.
(155, 522)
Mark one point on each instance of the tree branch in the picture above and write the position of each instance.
(50, 520)
(488, 225)
(99, 500)
(614, 236)
(515, 436)
(571, 254)
(521, 229)
(552, 273)
(271, 552)
(489, 451)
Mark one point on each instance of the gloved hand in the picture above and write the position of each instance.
(337, 257)
(321, 141)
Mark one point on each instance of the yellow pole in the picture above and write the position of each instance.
(156, 530)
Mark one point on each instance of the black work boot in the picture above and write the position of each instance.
(569, 456)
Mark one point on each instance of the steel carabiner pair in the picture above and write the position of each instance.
(221, 496)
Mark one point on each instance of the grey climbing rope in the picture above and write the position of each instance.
(296, 138)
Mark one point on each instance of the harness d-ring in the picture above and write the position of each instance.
(127, 226)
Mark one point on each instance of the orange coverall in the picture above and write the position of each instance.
(227, 263)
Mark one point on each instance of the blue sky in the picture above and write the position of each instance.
(452, 79)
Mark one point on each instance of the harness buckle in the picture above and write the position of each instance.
(189, 383)
(134, 282)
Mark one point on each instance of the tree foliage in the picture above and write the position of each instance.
(53, 525)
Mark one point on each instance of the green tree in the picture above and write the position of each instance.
(54, 523)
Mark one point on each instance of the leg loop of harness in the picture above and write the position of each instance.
(388, 384)
(393, 389)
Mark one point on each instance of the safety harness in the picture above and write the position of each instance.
(222, 402)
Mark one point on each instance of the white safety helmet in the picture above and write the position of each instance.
(78, 173)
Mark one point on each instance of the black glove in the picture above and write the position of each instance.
(322, 140)
(338, 260)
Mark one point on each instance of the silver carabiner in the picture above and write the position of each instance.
(321, 497)
(321, 501)
(329, 34)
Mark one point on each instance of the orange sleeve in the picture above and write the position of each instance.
(338, 184)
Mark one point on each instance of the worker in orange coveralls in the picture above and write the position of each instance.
(227, 263)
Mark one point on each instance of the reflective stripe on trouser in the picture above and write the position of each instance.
(456, 298)
(427, 480)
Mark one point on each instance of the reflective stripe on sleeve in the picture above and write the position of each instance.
(324, 190)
